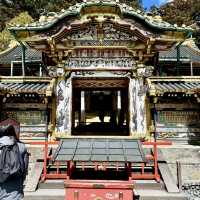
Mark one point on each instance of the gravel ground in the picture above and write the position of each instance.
(192, 190)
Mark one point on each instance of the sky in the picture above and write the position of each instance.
(149, 3)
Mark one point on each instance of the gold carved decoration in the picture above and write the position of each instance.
(95, 83)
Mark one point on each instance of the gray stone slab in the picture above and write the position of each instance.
(116, 151)
(82, 157)
(168, 178)
(90, 149)
(132, 152)
(99, 144)
(69, 144)
(33, 176)
(99, 151)
(67, 151)
(51, 184)
(130, 144)
(115, 144)
(84, 144)
(117, 158)
(83, 151)
(99, 158)
(134, 158)
(152, 194)
(45, 194)
(64, 157)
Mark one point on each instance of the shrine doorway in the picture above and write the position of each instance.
(100, 107)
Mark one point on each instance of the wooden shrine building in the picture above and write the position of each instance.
(100, 73)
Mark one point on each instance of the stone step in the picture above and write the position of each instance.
(139, 184)
(35, 168)
(149, 194)
(45, 194)
(168, 179)
(51, 184)
(33, 176)
(148, 184)
(58, 194)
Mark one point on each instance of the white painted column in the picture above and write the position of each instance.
(68, 106)
(119, 102)
(141, 108)
(132, 113)
(64, 107)
(137, 111)
(11, 70)
(119, 105)
(82, 118)
(40, 72)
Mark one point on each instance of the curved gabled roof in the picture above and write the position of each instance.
(15, 54)
(188, 51)
(161, 85)
(124, 10)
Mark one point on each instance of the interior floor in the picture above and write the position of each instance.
(98, 129)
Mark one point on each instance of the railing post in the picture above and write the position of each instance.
(45, 161)
(157, 177)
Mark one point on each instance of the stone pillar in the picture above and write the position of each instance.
(64, 107)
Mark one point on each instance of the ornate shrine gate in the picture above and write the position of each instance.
(90, 49)
(101, 59)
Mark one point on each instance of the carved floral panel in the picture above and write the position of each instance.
(95, 58)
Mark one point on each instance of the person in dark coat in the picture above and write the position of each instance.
(12, 189)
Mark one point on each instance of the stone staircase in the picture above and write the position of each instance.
(35, 168)
(34, 190)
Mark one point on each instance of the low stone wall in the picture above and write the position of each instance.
(189, 158)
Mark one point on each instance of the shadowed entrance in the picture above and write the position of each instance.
(100, 108)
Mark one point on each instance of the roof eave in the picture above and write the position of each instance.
(124, 11)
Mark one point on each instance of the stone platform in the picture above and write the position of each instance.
(148, 190)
